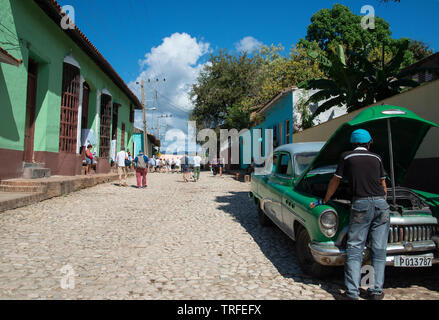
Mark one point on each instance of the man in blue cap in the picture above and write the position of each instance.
(369, 213)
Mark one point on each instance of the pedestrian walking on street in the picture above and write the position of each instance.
(141, 163)
(177, 165)
(157, 165)
(197, 165)
(168, 165)
(88, 159)
(369, 213)
(185, 168)
(121, 157)
(152, 164)
(221, 166)
(129, 161)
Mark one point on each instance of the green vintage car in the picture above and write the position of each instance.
(301, 173)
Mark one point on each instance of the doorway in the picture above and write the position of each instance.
(31, 103)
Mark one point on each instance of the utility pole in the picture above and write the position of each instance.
(145, 128)
(145, 132)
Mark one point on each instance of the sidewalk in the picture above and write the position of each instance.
(15, 193)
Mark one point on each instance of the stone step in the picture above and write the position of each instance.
(33, 165)
(21, 188)
(20, 182)
(35, 173)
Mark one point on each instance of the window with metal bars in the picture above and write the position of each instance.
(105, 127)
(69, 108)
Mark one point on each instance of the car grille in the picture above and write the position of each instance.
(412, 233)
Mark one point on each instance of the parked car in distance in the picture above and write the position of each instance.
(301, 173)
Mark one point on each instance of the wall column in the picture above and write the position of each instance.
(98, 108)
(79, 126)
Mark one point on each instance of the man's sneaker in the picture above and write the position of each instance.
(344, 296)
(375, 296)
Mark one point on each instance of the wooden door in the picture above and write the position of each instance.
(31, 104)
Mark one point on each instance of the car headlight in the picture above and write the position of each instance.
(328, 223)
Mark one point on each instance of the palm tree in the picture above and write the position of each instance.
(342, 87)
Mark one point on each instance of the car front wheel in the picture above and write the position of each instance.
(306, 260)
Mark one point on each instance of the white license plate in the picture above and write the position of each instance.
(414, 261)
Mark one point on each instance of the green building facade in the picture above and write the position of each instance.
(62, 96)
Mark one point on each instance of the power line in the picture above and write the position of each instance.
(180, 109)
(9, 30)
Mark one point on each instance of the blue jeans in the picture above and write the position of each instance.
(368, 215)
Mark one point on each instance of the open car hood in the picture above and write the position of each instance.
(408, 132)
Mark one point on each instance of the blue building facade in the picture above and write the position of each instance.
(278, 115)
(138, 143)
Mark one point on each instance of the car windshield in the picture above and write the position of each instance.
(302, 161)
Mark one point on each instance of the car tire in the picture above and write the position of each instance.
(307, 263)
(263, 219)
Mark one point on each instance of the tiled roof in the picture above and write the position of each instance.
(276, 98)
(54, 11)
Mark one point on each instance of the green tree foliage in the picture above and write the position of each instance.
(348, 64)
(420, 49)
(221, 86)
(229, 87)
(341, 86)
(280, 72)
(356, 81)
(340, 25)
(329, 27)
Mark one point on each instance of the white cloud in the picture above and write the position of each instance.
(176, 59)
(248, 44)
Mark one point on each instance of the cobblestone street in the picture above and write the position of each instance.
(173, 240)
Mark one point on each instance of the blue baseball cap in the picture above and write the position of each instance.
(360, 136)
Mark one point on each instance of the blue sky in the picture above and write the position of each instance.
(173, 39)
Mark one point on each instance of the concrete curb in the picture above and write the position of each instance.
(49, 188)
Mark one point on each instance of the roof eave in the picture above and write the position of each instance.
(273, 101)
(53, 10)
(5, 57)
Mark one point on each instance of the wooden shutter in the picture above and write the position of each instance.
(131, 114)
(105, 127)
(85, 101)
(69, 109)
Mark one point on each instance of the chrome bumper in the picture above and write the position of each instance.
(330, 255)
